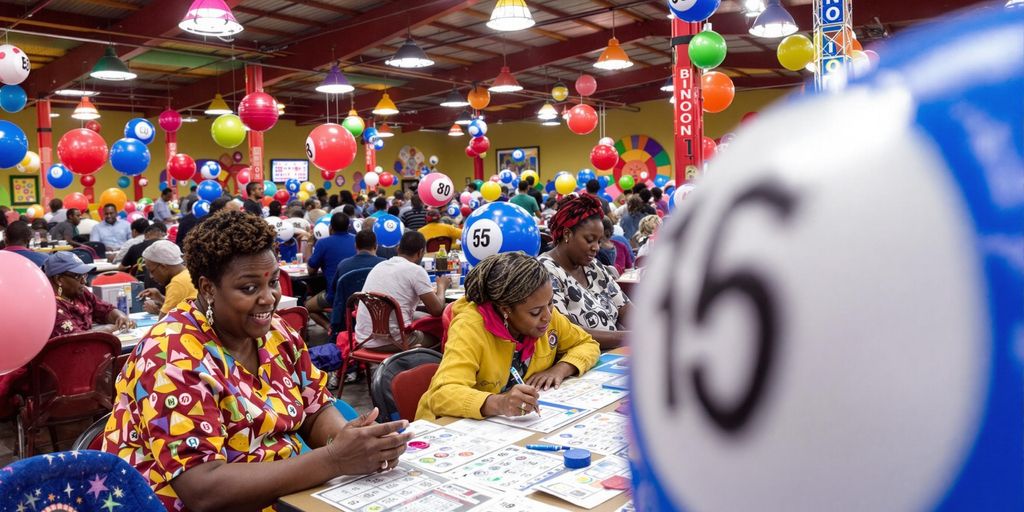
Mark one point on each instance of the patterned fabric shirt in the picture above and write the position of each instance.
(183, 400)
(79, 314)
(593, 307)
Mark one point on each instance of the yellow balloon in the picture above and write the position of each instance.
(565, 184)
(530, 172)
(309, 188)
(559, 92)
(491, 191)
(29, 164)
(303, 195)
(34, 212)
(795, 52)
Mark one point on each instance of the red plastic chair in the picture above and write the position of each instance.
(380, 307)
(446, 320)
(70, 380)
(298, 318)
(434, 244)
(408, 387)
(286, 283)
(113, 277)
(400, 381)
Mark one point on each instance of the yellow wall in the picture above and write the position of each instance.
(560, 149)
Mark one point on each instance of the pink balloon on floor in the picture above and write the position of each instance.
(29, 307)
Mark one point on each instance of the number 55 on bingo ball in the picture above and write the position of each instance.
(499, 227)
(839, 326)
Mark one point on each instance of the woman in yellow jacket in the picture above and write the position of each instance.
(506, 321)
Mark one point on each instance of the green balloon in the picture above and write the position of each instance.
(626, 182)
(228, 131)
(354, 125)
(124, 181)
(707, 49)
(479, 184)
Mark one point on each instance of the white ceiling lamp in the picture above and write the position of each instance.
(78, 93)
(410, 55)
(510, 15)
(774, 22)
(752, 8)
(547, 112)
(110, 67)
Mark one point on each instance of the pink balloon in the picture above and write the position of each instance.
(129, 207)
(243, 177)
(143, 182)
(29, 304)
(170, 120)
(172, 233)
(436, 190)
(134, 216)
(465, 198)
(586, 85)
(495, 178)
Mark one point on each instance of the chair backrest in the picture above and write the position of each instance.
(298, 318)
(98, 247)
(397, 394)
(286, 283)
(85, 254)
(347, 284)
(380, 307)
(446, 320)
(73, 375)
(92, 438)
(113, 277)
(623, 256)
(434, 244)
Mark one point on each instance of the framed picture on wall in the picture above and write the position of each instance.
(24, 190)
(531, 159)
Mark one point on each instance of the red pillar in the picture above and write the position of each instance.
(44, 134)
(254, 83)
(371, 157)
(478, 168)
(689, 114)
(172, 149)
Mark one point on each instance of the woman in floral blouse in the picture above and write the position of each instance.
(77, 307)
(211, 403)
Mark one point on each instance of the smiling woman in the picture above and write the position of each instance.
(212, 401)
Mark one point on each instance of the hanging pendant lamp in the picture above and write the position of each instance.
(335, 82)
(85, 110)
(210, 18)
(455, 131)
(464, 118)
(110, 67)
(410, 55)
(505, 82)
(613, 57)
(547, 112)
(455, 100)
(218, 106)
(774, 22)
(510, 15)
(384, 130)
(385, 107)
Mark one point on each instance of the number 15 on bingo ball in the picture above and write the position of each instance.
(839, 326)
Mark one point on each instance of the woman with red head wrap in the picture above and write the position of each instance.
(584, 290)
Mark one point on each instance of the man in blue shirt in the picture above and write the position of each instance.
(327, 254)
(112, 232)
(366, 257)
(18, 235)
(162, 208)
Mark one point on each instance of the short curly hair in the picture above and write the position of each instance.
(215, 243)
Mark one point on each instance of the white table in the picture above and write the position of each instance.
(102, 265)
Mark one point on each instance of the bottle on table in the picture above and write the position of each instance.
(441, 260)
(122, 301)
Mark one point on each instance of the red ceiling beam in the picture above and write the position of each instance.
(364, 31)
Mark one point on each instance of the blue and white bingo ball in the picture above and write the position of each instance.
(518, 155)
(474, 203)
(693, 10)
(140, 129)
(292, 185)
(499, 227)
(13, 98)
(378, 143)
(209, 190)
(210, 170)
(476, 128)
(677, 197)
(201, 208)
(388, 229)
(129, 156)
(453, 209)
(506, 176)
(824, 333)
(369, 135)
(59, 176)
(322, 228)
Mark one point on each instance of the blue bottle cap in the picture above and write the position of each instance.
(577, 458)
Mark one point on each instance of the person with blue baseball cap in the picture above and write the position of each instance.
(77, 307)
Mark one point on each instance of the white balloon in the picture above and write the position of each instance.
(606, 141)
(371, 179)
(378, 169)
(321, 230)
(433, 160)
(285, 231)
(14, 65)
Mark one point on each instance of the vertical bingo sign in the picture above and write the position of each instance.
(832, 33)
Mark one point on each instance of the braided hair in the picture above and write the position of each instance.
(505, 279)
(573, 211)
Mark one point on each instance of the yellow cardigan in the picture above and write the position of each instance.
(476, 363)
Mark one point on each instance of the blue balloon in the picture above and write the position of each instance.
(660, 180)
(474, 203)
(668, 190)
(162, 186)
(124, 181)
(369, 135)
(603, 181)
(544, 198)
(584, 176)
(499, 227)
(13, 98)
(201, 208)
(518, 155)
(13, 144)
(425, 171)
(506, 176)
(59, 176)
(129, 156)
(292, 186)
(328, 185)
(515, 182)
(378, 144)
(269, 188)
(210, 170)
(388, 229)
(700, 10)
(140, 130)
(209, 190)
(550, 187)
(122, 215)
(604, 195)
(477, 128)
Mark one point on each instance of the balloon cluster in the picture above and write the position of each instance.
(14, 69)
(479, 143)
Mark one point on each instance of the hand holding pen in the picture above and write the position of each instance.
(527, 395)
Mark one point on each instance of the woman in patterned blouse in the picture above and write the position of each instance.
(585, 291)
(211, 403)
(77, 307)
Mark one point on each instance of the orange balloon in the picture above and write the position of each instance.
(114, 196)
(855, 46)
(479, 97)
(717, 90)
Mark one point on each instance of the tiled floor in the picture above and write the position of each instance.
(355, 394)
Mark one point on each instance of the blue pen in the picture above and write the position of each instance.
(547, 447)
(519, 380)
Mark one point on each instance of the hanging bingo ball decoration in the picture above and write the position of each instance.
(293, 186)
(210, 170)
(258, 111)
(453, 210)
(13, 98)
(388, 229)
(170, 120)
(371, 179)
(322, 228)
(693, 10)
(14, 65)
(330, 147)
(604, 157)
(939, 409)
(387, 179)
(378, 144)
(433, 160)
(565, 184)
(282, 196)
(559, 92)
(140, 129)
(354, 124)
(209, 190)
(81, 150)
(518, 155)
(124, 182)
(201, 208)
(129, 156)
(13, 144)
(586, 85)
(506, 176)
(707, 49)
(59, 176)
(181, 167)
(499, 227)
(582, 119)
(477, 128)
(227, 131)
(30, 164)
(480, 144)
(717, 91)
(269, 188)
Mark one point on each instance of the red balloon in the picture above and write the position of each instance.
(331, 147)
(181, 167)
(465, 211)
(76, 200)
(93, 125)
(282, 196)
(87, 180)
(327, 175)
(582, 119)
(244, 176)
(82, 151)
(480, 144)
(387, 179)
(172, 233)
(258, 111)
(604, 157)
(709, 146)
(748, 117)
(470, 153)
(586, 85)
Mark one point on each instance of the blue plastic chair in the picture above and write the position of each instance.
(346, 411)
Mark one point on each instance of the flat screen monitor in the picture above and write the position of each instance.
(282, 170)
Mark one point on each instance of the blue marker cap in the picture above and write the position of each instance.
(577, 458)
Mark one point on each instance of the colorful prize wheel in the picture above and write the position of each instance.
(643, 158)
(410, 160)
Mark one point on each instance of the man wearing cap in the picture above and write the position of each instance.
(77, 307)
(163, 260)
(434, 228)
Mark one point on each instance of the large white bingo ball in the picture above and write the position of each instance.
(322, 228)
(499, 227)
(285, 231)
(388, 229)
(824, 333)
(140, 129)
(14, 65)
(436, 190)
(476, 128)
(275, 222)
(693, 10)
(679, 195)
